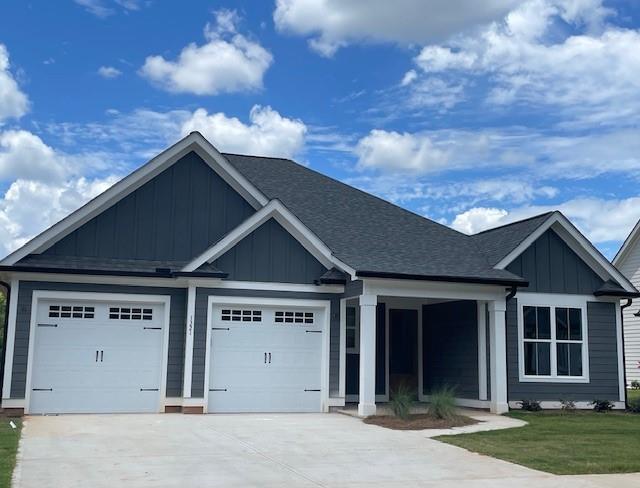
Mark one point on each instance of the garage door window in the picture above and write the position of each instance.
(71, 312)
(130, 313)
(292, 317)
(240, 315)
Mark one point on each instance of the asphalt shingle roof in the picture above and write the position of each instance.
(366, 232)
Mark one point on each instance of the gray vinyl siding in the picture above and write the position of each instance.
(450, 347)
(270, 254)
(603, 361)
(200, 330)
(550, 266)
(175, 362)
(175, 216)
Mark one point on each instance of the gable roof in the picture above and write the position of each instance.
(627, 245)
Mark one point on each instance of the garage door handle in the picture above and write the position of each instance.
(101, 355)
(265, 358)
(269, 358)
(97, 356)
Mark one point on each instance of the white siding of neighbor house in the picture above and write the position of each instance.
(630, 267)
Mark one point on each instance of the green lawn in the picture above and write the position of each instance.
(574, 443)
(633, 395)
(8, 447)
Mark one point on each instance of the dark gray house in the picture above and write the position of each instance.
(209, 282)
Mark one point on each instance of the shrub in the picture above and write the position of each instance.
(530, 405)
(568, 405)
(442, 403)
(602, 405)
(634, 405)
(401, 401)
(635, 384)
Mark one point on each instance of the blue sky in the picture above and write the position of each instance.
(471, 113)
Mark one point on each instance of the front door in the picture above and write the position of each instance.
(403, 349)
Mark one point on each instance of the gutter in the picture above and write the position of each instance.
(158, 273)
(451, 279)
(624, 359)
(5, 327)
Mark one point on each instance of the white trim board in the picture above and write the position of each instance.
(276, 210)
(10, 339)
(98, 297)
(193, 142)
(577, 242)
(325, 305)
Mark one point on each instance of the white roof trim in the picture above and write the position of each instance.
(627, 245)
(193, 142)
(577, 242)
(274, 209)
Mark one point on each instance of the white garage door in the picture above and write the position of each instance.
(96, 357)
(265, 359)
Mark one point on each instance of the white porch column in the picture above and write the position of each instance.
(188, 344)
(498, 360)
(367, 392)
(482, 350)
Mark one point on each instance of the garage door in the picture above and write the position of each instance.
(96, 357)
(265, 359)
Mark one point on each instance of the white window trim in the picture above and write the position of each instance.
(553, 302)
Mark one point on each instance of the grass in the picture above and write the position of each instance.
(633, 395)
(8, 447)
(563, 443)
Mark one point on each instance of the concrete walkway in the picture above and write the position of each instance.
(305, 450)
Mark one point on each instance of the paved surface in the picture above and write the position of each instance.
(306, 450)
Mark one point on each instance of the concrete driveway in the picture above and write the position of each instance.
(332, 450)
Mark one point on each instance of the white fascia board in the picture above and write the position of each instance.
(627, 245)
(577, 242)
(193, 142)
(431, 289)
(274, 209)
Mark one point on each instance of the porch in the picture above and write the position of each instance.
(424, 335)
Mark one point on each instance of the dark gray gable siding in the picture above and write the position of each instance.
(450, 347)
(603, 362)
(200, 330)
(551, 266)
(271, 254)
(175, 216)
(175, 361)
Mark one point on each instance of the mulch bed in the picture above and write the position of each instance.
(419, 422)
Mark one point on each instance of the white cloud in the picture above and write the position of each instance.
(228, 62)
(109, 72)
(478, 219)
(13, 102)
(24, 155)
(332, 24)
(268, 134)
(105, 8)
(409, 77)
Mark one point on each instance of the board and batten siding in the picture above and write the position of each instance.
(551, 266)
(173, 217)
(200, 330)
(270, 254)
(603, 362)
(630, 267)
(175, 363)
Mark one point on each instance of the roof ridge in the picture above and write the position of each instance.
(514, 223)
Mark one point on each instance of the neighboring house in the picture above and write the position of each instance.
(209, 282)
(628, 262)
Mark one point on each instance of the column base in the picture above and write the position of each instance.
(366, 409)
(498, 408)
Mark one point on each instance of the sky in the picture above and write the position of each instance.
(473, 114)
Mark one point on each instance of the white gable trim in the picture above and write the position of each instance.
(193, 142)
(276, 210)
(578, 244)
(627, 245)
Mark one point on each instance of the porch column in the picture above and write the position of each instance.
(498, 356)
(188, 344)
(367, 392)
(482, 350)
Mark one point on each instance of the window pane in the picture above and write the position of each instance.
(544, 358)
(544, 323)
(351, 338)
(575, 359)
(563, 359)
(562, 324)
(529, 322)
(575, 324)
(530, 358)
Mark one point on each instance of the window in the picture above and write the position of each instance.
(352, 329)
(71, 312)
(130, 313)
(553, 345)
(292, 317)
(239, 315)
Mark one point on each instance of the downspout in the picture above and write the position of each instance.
(624, 359)
(5, 327)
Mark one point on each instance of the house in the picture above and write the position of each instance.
(628, 262)
(209, 282)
